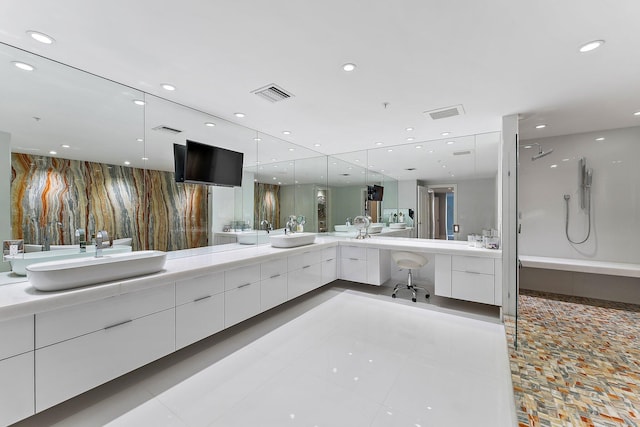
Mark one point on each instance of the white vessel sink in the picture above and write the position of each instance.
(373, 229)
(77, 272)
(343, 227)
(292, 240)
(20, 262)
(398, 225)
(257, 236)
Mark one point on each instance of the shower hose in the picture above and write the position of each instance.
(566, 228)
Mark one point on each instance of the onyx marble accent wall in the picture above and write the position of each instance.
(62, 195)
(266, 204)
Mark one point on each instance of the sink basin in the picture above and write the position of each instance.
(398, 225)
(20, 262)
(343, 227)
(77, 272)
(292, 240)
(375, 229)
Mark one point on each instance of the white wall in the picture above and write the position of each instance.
(408, 199)
(221, 207)
(5, 191)
(615, 234)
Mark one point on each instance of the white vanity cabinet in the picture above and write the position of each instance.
(199, 308)
(364, 265)
(470, 278)
(329, 266)
(273, 283)
(305, 272)
(16, 369)
(242, 294)
(83, 346)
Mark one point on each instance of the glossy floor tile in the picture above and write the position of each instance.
(345, 355)
(577, 361)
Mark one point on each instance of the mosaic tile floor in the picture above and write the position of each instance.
(577, 362)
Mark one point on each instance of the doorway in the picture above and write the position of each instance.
(437, 211)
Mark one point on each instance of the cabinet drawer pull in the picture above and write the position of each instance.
(201, 298)
(306, 266)
(274, 276)
(330, 259)
(118, 324)
(244, 286)
(472, 272)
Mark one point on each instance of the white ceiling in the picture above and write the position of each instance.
(495, 57)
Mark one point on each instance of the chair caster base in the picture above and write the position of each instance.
(413, 299)
(393, 295)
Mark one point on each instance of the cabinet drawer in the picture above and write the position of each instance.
(273, 291)
(199, 319)
(472, 287)
(16, 391)
(72, 367)
(329, 253)
(304, 259)
(16, 336)
(329, 270)
(70, 322)
(241, 276)
(353, 252)
(241, 303)
(199, 287)
(472, 264)
(272, 269)
(305, 280)
(353, 269)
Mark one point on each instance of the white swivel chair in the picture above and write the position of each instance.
(410, 261)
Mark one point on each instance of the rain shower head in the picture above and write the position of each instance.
(541, 154)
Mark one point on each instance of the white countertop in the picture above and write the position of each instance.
(19, 298)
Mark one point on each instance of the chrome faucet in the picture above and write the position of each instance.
(80, 234)
(292, 224)
(266, 225)
(348, 222)
(101, 238)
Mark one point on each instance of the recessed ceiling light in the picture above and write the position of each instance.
(637, 113)
(357, 160)
(450, 142)
(139, 139)
(41, 37)
(565, 160)
(127, 162)
(144, 158)
(292, 149)
(286, 132)
(349, 66)
(316, 145)
(24, 66)
(600, 139)
(418, 146)
(444, 166)
(389, 150)
(410, 139)
(257, 139)
(65, 146)
(541, 126)
(446, 133)
(53, 152)
(553, 166)
(527, 146)
(239, 115)
(430, 151)
(409, 129)
(588, 47)
(378, 143)
(209, 124)
(138, 102)
(167, 86)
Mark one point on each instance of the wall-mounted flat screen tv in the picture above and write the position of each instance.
(206, 164)
(179, 153)
(375, 192)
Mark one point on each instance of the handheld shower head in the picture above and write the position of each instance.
(541, 154)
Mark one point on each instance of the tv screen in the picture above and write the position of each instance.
(206, 164)
(179, 152)
(374, 193)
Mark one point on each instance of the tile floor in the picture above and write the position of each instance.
(345, 355)
(577, 362)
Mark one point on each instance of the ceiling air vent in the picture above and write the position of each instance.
(167, 129)
(461, 153)
(272, 93)
(443, 113)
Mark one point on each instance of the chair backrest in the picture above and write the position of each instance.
(409, 259)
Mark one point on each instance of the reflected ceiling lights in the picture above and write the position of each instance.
(41, 37)
(637, 113)
(592, 45)
(65, 146)
(316, 145)
(24, 66)
(257, 139)
(209, 124)
(239, 115)
(286, 132)
(349, 66)
(144, 158)
(418, 146)
(167, 86)
(138, 102)
(139, 139)
(541, 126)
(410, 139)
(378, 143)
(446, 133)
(127, 162)
(409, 129)
(600, 139)
(450, 142)
(53, 152)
